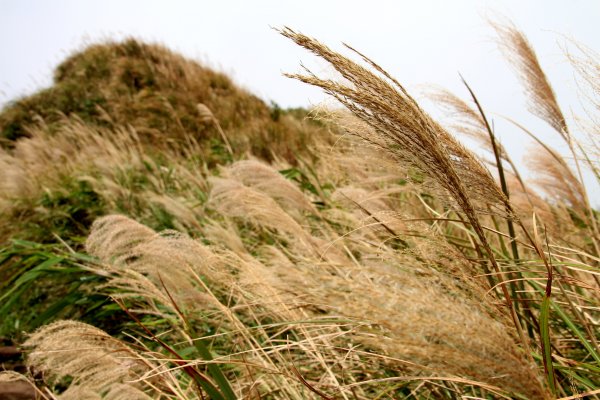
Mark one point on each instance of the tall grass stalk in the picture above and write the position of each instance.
(401, 128)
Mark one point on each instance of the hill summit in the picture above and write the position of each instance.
(163, 96)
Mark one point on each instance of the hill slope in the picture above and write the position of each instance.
(165, 101)
(156, 92)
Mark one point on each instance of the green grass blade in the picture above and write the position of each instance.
(588, 346)
(31, 275)
(55, 308)
(546, 347)
(569, 322)
(215, 370)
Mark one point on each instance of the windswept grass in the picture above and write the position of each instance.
(393, 264)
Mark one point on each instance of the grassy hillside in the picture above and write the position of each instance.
(156, 92)
(111, 135)
(170, 235)
(165, 102)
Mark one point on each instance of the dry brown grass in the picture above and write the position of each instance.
(360, 275)
(122, 175)
(98, 362)
(406, 318)
(413, 326)
(543, 103)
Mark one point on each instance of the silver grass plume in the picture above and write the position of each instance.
(466, 120)
(266, 179)
(404, 131)
(94, 360)
(542, 100)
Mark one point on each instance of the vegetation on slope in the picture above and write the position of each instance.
(110, 136)
(391, 265)
(157, 92)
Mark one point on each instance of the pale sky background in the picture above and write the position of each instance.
(419, 42)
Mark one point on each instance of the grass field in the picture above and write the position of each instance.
(166, 234)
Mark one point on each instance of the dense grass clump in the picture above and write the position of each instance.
(199, 245)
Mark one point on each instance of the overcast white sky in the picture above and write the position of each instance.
(419, 42)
